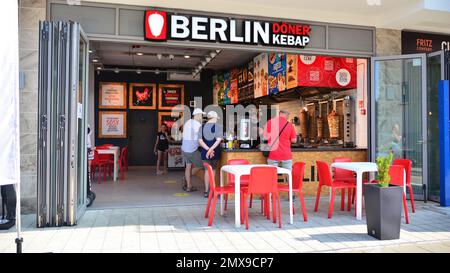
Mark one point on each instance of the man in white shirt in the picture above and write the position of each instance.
(189, 147)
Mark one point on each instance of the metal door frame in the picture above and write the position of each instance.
(423, 58)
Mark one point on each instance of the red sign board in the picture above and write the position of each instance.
(155, 25)
(325, 71)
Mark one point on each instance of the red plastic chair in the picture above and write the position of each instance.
(397, 174)
(326, 180)
(123, 154)
(125, 162)
(298, 169)
(263, 181)
(244, 178)
(98, 165)
(344, 176)
(214, 191)
(407, 164)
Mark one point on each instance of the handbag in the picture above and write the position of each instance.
(266, 151)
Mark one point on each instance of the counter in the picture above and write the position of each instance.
(307, 155)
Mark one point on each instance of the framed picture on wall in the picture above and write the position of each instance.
(169, 118)
(112, 124)
(112, 95)
(142, 96)
(170, 95)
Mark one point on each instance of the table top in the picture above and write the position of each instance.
(356, 166)
(110, 150)
(245, 169)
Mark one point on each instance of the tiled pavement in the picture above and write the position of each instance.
(183, 229)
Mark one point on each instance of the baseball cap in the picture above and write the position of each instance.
(212, 114)
(197, 111)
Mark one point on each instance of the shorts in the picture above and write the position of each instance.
(287, 164)
(193, 158)
(214, 163)
(161, 149)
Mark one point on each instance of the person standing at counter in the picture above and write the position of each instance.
(209, 140)
(280, 134)
(189, 148)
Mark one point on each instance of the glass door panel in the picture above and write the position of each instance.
(398, 112)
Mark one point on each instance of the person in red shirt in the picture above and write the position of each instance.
(280, 153)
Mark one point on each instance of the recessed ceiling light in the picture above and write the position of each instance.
(159, 56)
(157, 71)
(99, 67)
(95, 60)
(208, 59)
(90, 50)
(116, 70)
(139, 71)
(212, 54)
(187, 56)
(171, 57)
(203, 63)
(139, 53)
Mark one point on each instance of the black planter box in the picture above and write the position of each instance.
(383, 208)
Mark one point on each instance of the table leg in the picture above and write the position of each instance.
(237, 199)
(358, 198)
(291, 209)
(221, 184)
(116, 169)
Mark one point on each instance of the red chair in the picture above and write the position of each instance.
(298, 169)
(397, 174)
(344, 176)
(98, 165)
(213, 193)
(123, 154)
(263, 181)
(244, 178)
(126, 158)
(326, 180)
(407, 164)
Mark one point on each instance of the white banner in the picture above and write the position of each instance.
(9, 90)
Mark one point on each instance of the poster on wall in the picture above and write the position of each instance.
(169, 119)
(233, 92)
(113, 124)
(142, 96)
(175, 158)
(112, 95)
(219, 88)
(277, 73)
(325, 71)
(170, 95)
(260, 75)
(291, 71)
(226, 88)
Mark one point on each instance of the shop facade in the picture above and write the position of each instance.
(109, 22)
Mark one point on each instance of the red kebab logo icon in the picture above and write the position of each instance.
(155, 25)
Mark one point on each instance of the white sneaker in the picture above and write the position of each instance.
(159, 172)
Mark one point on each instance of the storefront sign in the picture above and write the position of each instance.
(417, 42)
(112, 124)
(112, 95)
(142, 96)
(170, 95)
(161, 26)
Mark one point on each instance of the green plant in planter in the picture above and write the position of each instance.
(383, 164)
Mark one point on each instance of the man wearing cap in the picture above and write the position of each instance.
(209, 140)
(189, 148)
(280, 133)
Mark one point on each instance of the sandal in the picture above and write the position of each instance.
(206, 194)
(184, 183)
(191, 189)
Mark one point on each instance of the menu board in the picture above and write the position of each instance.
(291, 71)
(245, 82)
(175, 158)
(277, 73)
(112, 95)
(260, 75)
(112, 124)
(142, 96)
(325, 71)
(233, 92)
(170, 95)
(226, 88)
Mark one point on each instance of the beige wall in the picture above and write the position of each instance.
(30, 12)
(388, 42)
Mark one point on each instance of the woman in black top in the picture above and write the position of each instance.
(161, 148)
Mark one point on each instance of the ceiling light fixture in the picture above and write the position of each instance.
(157, 71)
(116, 70)
(208, 59)
(91, 51)
(187, 56)
(159, 56)
(138, 71)
(212, 54)
(203, 63)
(373, 2)
(95, 60)
(171, 57)
(99, 68)
(217, 51)
(139, 53)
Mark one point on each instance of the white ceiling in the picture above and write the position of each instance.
(120, 54)
(425, 15)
